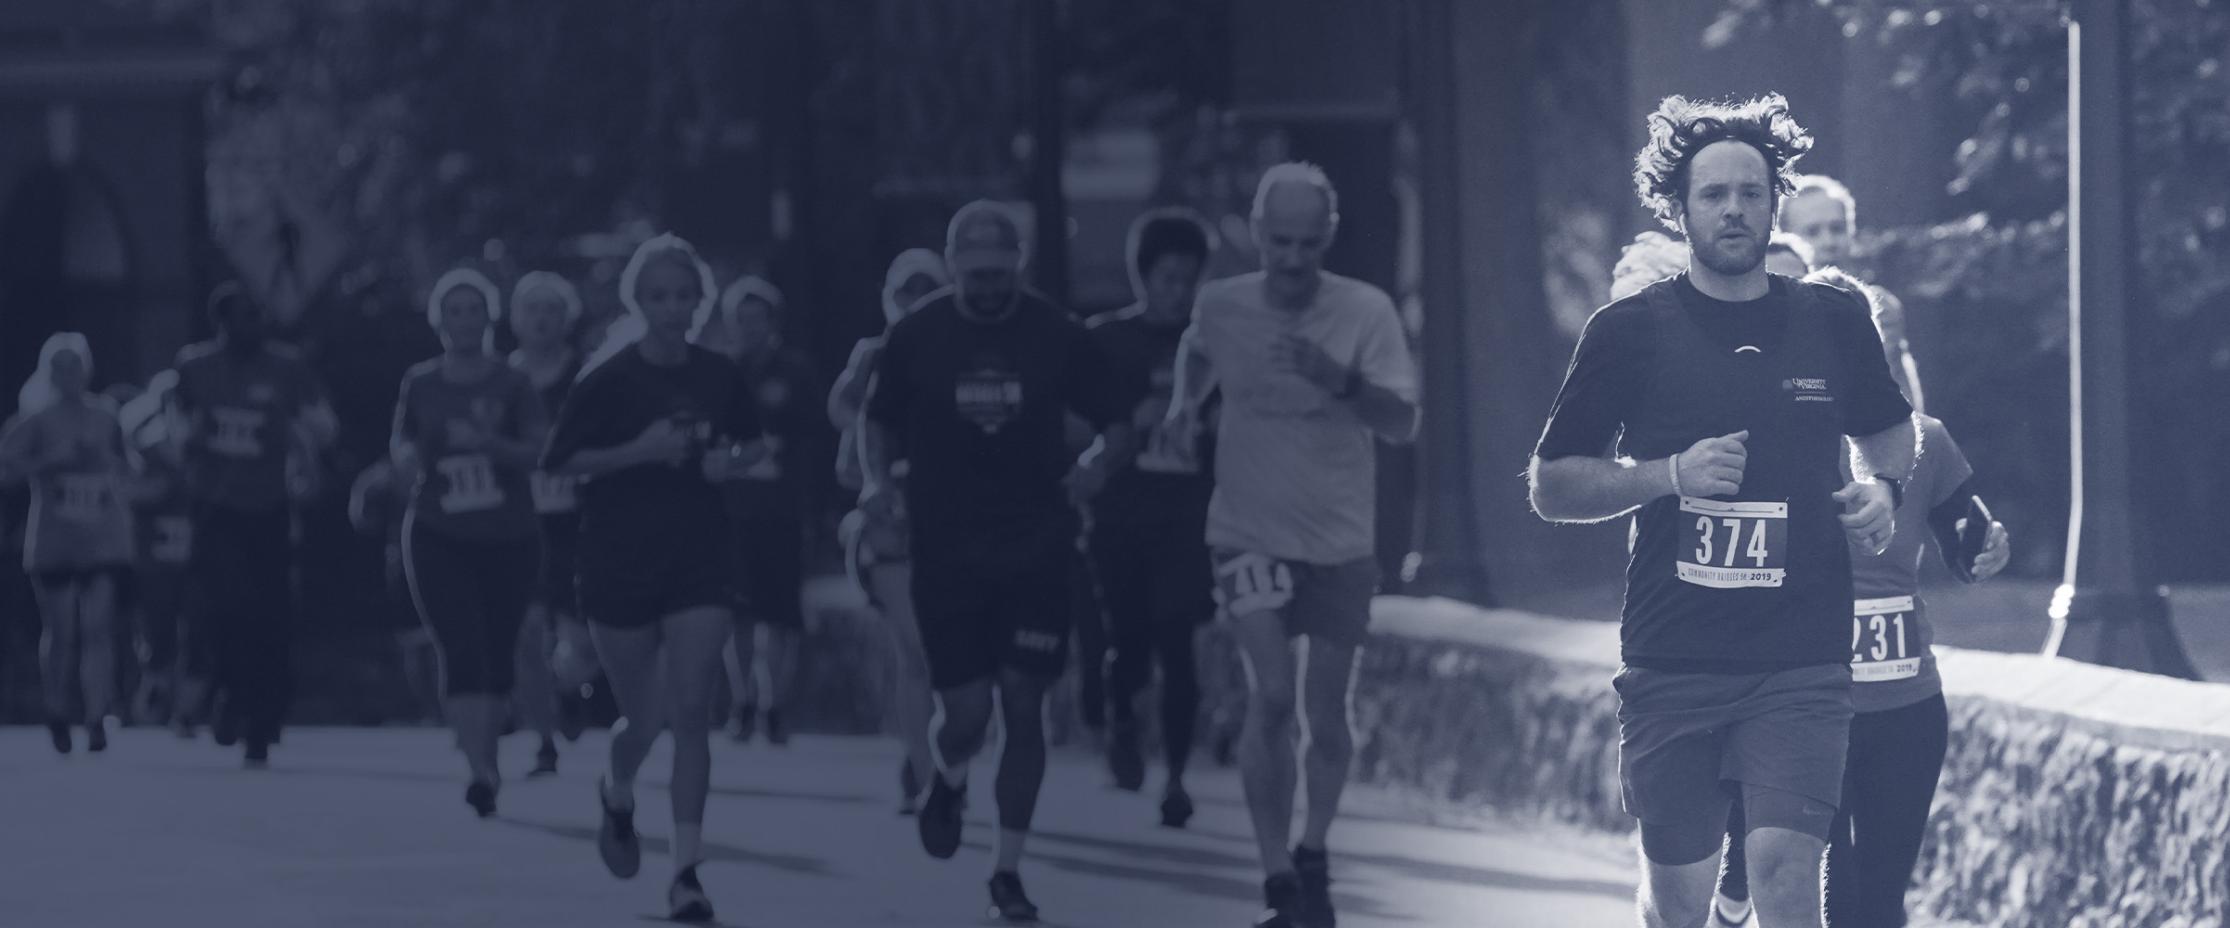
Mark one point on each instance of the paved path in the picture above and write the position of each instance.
(368, 828)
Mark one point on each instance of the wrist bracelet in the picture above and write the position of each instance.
(1673, 464)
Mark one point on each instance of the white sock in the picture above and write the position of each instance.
(689, 843)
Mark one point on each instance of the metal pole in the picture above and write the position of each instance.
(2107, 609)
(1451, 562)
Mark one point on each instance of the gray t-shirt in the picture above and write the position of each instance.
(1892, 659)
(1296, 468)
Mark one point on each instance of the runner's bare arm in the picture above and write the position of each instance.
(876, 484)
(1388, 414)
(1890, 451)
(1193, 379)
(849, 394)
(16, 457)
(1579, 488)
(1585, 489)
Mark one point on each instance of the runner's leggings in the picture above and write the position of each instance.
(239, 602)
(1889, 782)
(473, 596)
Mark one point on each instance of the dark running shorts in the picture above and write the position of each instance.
(974, 622)
(1327, 601)
(639, 595)
(1683, 737)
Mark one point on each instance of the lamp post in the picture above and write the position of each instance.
(2107, 610)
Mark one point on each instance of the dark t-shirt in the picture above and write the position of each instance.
(469, 494)
(787, 395)
(981, 409)
(1161, 484)
(647, 514)
(242, 411)
(1759, 580)
(556, 499)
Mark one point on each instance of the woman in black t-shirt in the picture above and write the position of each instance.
(652, 428)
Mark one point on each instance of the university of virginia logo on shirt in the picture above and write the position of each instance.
(1808, 389)
(989, 397)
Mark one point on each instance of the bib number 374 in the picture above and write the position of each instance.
(1738, 545)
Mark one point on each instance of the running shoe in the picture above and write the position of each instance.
(481, 796)
(1314, 868)
(1125, 760)
(686, 900)
(1281, 903)
(96, 736)
(616, 840)
(545, 760)
(59, 731)
(1176, 806)
(909, 787)
(1730, 913)
(940, 821)
(1009, 902)
(778, 731)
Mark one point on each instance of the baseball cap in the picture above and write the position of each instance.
(983, 235)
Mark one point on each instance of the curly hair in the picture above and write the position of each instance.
(1682, 127)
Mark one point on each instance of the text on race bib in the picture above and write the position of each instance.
(470, 484)
(83, 497)
(553, 494)
(1737, 545)
(1252, 583)
(1884, 646)
(174, 540)
(236, 432)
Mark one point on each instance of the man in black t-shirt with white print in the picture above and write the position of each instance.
(1716, 403)
(975, 386)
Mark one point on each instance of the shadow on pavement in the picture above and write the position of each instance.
(1345, 857)
(714, 851)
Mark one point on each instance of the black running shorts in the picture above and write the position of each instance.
(1327, 601)
(640, 594)
(975, 622)
(1684, 737)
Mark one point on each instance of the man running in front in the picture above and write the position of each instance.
(1715, 403)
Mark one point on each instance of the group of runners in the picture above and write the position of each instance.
(1208, 451)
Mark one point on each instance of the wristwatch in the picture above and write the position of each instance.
(1896, 490)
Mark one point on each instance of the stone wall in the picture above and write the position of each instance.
(2073, 796)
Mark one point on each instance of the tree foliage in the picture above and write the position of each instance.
(1998, 276)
